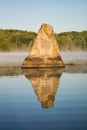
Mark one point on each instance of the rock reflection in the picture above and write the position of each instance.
(45, 83)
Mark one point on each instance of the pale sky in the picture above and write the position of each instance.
(63, 15)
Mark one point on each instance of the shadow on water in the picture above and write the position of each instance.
(45, 83)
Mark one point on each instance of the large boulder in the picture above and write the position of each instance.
(45, 50)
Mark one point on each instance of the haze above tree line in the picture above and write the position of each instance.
(18, 40)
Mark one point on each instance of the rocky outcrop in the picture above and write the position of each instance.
(45, 50)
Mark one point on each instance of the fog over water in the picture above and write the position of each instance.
(19, 56)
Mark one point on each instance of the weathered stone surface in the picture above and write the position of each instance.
(45, 51)
(45, 83)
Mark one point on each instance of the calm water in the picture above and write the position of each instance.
(45, 100)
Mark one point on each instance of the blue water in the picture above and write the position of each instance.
(21, 110)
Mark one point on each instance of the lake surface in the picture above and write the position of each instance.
(43, 99)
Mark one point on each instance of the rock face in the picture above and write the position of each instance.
(45, 50)
(45, 83)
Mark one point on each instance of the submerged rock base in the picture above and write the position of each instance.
(31, 62)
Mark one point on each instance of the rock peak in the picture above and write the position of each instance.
(48, 29)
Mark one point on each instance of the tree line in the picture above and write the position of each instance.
(19, 40)
(72, 40)
(16, 40)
